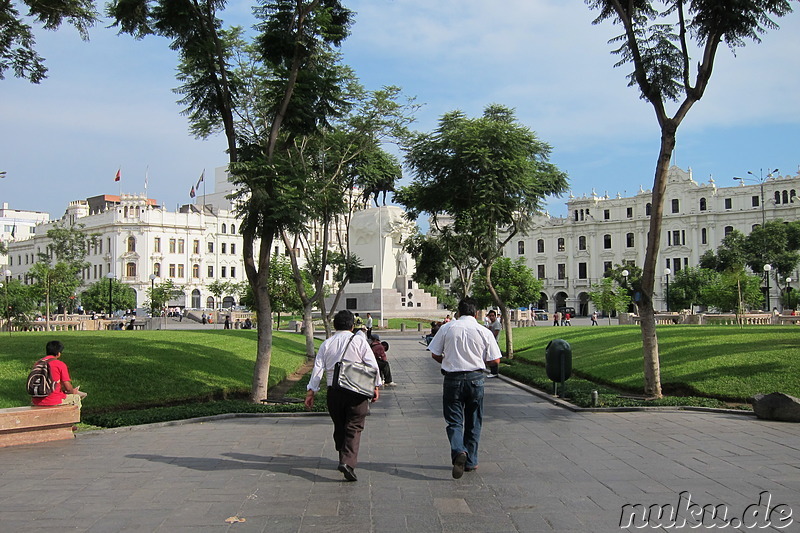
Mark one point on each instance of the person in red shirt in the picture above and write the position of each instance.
(63, 392)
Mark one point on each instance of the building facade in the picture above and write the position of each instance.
(570, 254)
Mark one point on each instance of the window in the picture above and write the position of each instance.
(582, 271)
(195, 270)
(233, 248)
(561, 246)
(172, 246)
(181, 270)
(157, 270)
(785, 197)
(562, 271)
(629, 240)
(606, 214)
(224, 228)
(172, 270)
(703, 204)
(777, 197)
(223, 271)
(582, 242)
(196, 247)
(210, 247)
(351, 303)
(210, 271)
(233, 272)
(728, 230)
(223, 248)
(755, 202)
(704, 236)
(521, 247)
(131, 244)
(540, 246)
(676, 238)
(130, 270)
(540, 271)
(607, 241)
(607, 266)
(648, 208)
(629, 212)
(576, 215)
(676, 206)
(792, 196)
(156, 245)
(181, 246)
(728, 203)
(233, 229)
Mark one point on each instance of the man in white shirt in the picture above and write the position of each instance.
(347, 409)
(464, 348)
(495, 327)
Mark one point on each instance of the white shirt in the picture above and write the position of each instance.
(465, 345)
(495, 326)
(330, 352)
(369, 322)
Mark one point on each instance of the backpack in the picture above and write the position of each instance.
(40, 382)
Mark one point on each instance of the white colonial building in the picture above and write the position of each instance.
(17, 225)
(571, 253)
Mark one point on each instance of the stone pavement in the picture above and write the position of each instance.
(542, 468)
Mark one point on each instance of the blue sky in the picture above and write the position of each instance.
(108, 103)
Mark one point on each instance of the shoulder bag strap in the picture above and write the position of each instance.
(346, 346)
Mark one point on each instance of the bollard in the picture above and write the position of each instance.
(402, 327)
(595, 399)
(419, 326)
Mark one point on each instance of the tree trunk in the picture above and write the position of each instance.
(503, 312)
(264, 349)
(652, 369)
(308, 329)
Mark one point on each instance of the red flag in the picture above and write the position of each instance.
(119, 175)
(191, 193)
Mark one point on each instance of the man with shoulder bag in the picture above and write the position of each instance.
(353, 379)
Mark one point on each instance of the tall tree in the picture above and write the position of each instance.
(514, 282)
(485, 178)
(658, 45)
(609, 297)
(17, 43)
(96, 296)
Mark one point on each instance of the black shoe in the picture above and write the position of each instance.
(349, 473)
(458, 465)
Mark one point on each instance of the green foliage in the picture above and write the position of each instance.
(732, 291)
(19, 302)
(609, 297)
(444, 297)
(514, 282)
(724, 362)
(282, 288)
(685, 289)
(141, 369)
(17, 45)
(95, 297)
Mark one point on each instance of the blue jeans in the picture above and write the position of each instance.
(462, 404)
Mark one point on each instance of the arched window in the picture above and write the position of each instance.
(704, 236)
(582, 242)
(792, 195)
(648, 208)
(561, 246)
(576, 215)
(130, 270)
(540, 246)
(224, 227)
(157, 269)
(728, 230)
(233, 229)
(676, 205)
(607, 241)
(131, 243)
(777, 197)
(210, 302)
(521, 247)
(195, 270)
(786, 197)
(629, 240)
(703, 205)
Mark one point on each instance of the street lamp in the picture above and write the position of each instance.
(7, 275)
(767, 268)
(152, 294)
(667, 272)
(110, 277)
(786, 290)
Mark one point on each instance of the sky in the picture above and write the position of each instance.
(109, 104)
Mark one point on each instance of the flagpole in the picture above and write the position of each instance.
(204, 189)
(146, 176)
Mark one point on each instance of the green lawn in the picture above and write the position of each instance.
(134, 369)
(725, 362)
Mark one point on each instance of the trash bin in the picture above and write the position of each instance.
(558, 362)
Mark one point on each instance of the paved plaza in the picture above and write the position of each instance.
(542, 468)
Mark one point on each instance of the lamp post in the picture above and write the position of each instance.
(152, 294)
(7, 312)
(767, 269)
(786, 290)
(110, 277)
(667, 272)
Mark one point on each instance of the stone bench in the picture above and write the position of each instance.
(30, 425)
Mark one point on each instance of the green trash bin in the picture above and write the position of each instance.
(558, 363)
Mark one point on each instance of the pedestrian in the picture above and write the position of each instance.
(359, 323)
(594, 318)
(557, 318)
(567, 316)
(379, 350)
(227, 322)
(494, 326)
(464, 348)
(347, 409)
(368, 325)
(204, 318)
(63, 391)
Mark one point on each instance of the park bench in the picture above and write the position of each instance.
(30, 425)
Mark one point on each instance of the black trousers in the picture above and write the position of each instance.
(348, 411)
(386, 371)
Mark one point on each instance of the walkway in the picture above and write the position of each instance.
(542, 469)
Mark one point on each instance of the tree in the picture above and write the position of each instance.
(282, 289)
(630, 283)
(733, 291)
(514, 282)
(95, 297)
(484, 178)
(219, 288)
(609, 297)
(657, 44)
(686, 291)
(159, 295)
(445, 298)
(441, 252)
(776, 243)
(18, 302)
(17, 43)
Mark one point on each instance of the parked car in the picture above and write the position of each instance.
(570, 310)
(540, 314)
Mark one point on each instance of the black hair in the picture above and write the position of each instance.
(343, 320)
(54, 348)
(467, 307)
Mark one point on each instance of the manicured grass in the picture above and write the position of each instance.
(724, 362)
(137, 369)
(411, 324)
